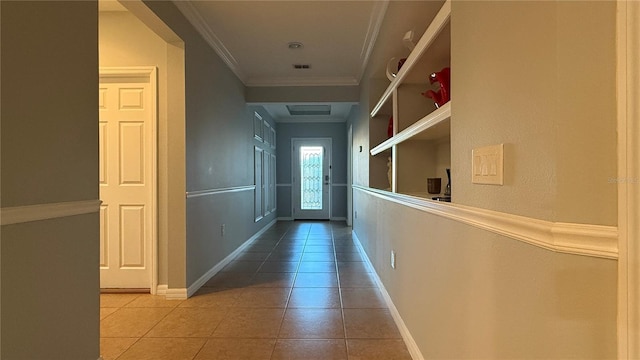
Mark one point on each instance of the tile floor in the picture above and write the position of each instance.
(300, 291)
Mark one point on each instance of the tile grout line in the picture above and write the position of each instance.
(284, 312)
(344, 322)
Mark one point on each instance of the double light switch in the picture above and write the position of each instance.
(488, 165)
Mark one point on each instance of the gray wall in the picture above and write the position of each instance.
(219, 151)
(49, 272)
(338, 133)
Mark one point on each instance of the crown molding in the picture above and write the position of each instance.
(193, 16)
(375, 23)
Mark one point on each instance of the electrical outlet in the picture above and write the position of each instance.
(355, 214)
(222, 229)
(393, 259)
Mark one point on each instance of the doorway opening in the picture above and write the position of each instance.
(128, 177)
(131, 35)
(311, 172)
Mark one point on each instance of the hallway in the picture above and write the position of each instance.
(299, 291)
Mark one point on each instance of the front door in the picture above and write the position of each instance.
(127, 117)
(311, 178)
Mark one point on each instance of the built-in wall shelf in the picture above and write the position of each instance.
(428, 38)
(434, 126)
(419, 147)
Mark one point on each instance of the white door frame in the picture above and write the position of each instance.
(628, 93)
(150, 72)
(293, 166)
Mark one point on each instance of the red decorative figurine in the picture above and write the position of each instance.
(442, 96)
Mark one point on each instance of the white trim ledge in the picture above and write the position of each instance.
(199, 193)
(414, 351)
(578, 239)
(29, 213)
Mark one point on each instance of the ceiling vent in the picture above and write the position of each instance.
(306, 110)
(302, 66)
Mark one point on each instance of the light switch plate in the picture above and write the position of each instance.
(488, 165)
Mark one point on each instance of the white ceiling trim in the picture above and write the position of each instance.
(315, 81)
(194, 17)
(375, 23)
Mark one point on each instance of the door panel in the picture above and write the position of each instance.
(126, 184)
(132, 153)
(311, 172)
(132, 239)
(258, 180)
(266, 186)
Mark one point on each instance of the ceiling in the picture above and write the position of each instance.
(338, 112)
(252, 37)
(337, 38)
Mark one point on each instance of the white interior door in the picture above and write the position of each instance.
(311, 173)
(127, 125)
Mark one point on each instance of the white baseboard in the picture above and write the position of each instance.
(176, 294)
(215, 269)
(162, 289)
(414, 351)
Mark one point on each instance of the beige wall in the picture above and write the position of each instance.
(126, 41)
(49, 142)
(465, 293)
(540, 78)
